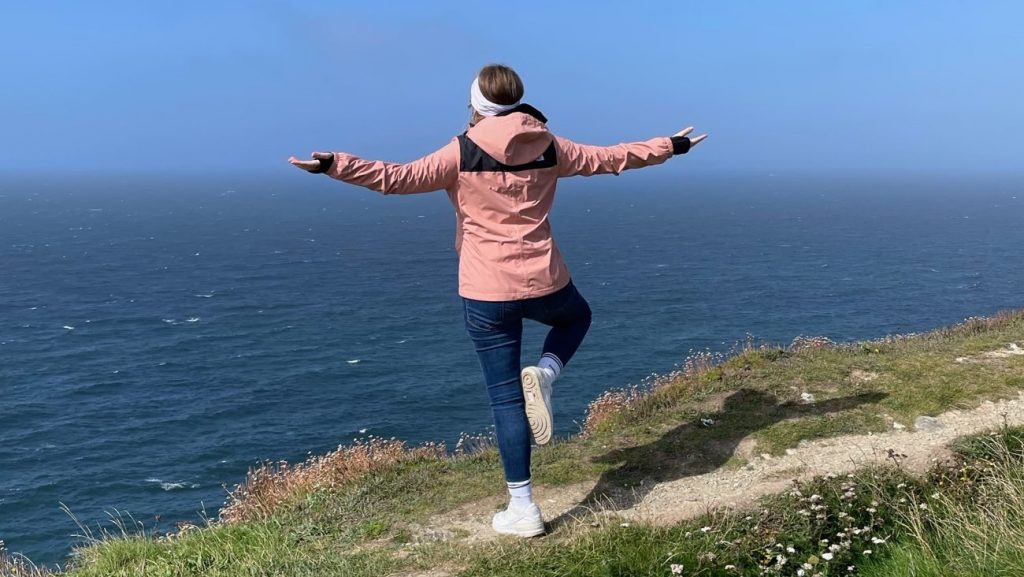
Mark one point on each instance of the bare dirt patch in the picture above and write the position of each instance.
(859, 376)
(1011, 350)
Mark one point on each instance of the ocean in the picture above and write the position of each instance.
(159, 336)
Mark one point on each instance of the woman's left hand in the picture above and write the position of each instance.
(311, 165)
(694, 140)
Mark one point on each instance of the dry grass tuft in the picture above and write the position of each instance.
(802, 343)
(978, 325)
(270, 484)
(469, 444)
(607, 405)
(701, 362)
(15, 565)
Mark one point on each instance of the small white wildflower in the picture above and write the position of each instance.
(781, 560)
(935, 495)
(833, 547)
(730, 567)
(800, 573)
(804, 512)
(871, 510)
(815, 498)
(843, 515)
(676, 568)
(867, 551)
(850, 568)
(827, 556)
(874, 503)
(903, 499)
(790, 550)
(823, 542)
(923, 506)
(877, 541)
(705, 529)
(901, 485)
(807, 566)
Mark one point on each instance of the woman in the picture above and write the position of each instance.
(500, 176)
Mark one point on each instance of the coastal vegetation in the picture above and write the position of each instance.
(381, 507)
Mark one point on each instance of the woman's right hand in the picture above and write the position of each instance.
(317, 165)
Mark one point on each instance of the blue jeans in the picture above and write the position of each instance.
(496, 329)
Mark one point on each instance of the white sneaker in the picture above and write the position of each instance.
(537, 390)
(521, 522)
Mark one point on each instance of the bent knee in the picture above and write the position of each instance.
(586, 316)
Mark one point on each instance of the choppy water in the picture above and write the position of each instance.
(157, 337)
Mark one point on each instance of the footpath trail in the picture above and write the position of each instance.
(673, 501)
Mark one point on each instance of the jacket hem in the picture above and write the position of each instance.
(512, 296)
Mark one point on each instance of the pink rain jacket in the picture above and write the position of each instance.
(500, 177)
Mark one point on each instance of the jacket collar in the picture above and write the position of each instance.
(526, 109)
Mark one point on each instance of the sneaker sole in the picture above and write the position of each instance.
(537, 411)
(527, 532)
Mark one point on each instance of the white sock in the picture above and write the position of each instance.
(521, 493)
(551, 364)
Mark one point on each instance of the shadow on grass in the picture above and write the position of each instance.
(693, 449)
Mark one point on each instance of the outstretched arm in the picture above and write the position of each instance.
(435, 171)
(585, 160)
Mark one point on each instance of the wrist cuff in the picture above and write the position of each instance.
(680, 144)
(325, 165)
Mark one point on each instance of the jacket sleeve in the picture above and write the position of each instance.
(435, 171)
(585, 160)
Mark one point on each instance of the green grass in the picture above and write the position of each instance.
(255, 548)
(369, 526)
(974, 525)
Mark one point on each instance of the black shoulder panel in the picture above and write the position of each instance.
(474, 159)
(526, 109)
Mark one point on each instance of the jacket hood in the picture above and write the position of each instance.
(515, 137)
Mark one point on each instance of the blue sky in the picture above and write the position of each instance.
(782, 86)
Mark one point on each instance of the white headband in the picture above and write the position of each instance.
(482, 105)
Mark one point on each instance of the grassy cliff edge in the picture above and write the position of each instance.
(379, 507)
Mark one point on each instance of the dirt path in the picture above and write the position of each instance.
(687, 497)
